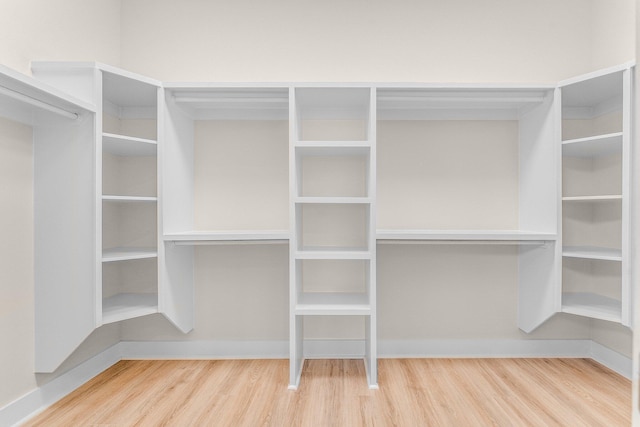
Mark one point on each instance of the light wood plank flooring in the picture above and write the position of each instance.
(413, 392)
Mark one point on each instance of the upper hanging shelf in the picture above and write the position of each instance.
(460, 102)
(203, 102)
(31, 102)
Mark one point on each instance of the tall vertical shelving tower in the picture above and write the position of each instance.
(332, 214)
(596, 190)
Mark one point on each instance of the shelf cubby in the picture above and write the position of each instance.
(591, 283)
(130, 287)
(333, 225)
(340, 115)
(128, 306)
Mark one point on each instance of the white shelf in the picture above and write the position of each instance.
(332, 253)
(464, 235)
(110, 198)
(592, 198)
(124, 254)
(592, 305)
(235, 236)
(593, 146)
(332, 304)
(121, 145)
(203, 102)
(467, 103)
(332, 200)
(332, 148)
(29, 101)
(127, 306)
(592, 252)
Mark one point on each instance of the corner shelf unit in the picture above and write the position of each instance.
(596, 181)
(124, 176)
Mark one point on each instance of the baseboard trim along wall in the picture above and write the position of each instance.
(47, 394)
(37, 400)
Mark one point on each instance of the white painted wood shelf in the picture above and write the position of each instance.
(229, 237)
(592, 305)
(488, 236)
(125, 254)
(128, 306)
(122, 145)
(332, 303)
(332, 200)
(592, 252)
(593, 146)
(125, 199)
(332, 148)
(600, 198)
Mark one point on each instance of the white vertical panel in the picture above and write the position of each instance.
(64, 216)
(371, 352)
(295, 322)
(176, 284)
(626, 293)
(540, 156)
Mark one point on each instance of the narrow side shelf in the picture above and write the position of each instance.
(332, 200)
(124, 254)
(592, 305)
(332, 148)
(333, 304)
(127, 306)
(122, 145)
(487, 236)
(111, 198)
(592, 252)
(227, 237)
(593, 146)
(599, 198)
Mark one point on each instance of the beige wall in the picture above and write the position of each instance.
(379, 40)
(62, 30)
(38, 30)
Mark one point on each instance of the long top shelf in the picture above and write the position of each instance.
(227, 236)
(464, 235)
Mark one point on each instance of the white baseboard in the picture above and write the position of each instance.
(204, 349)
(483, 348)
(47, 394)
(39, 399)
(611, 359)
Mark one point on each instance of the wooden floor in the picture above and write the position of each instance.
(413, 392)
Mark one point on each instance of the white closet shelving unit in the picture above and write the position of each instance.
(332, 159)
(436, 111)
(165, 168)
(596, 153)
(64, 228)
